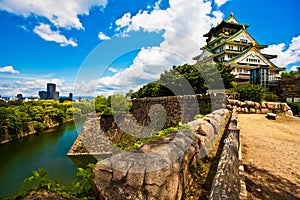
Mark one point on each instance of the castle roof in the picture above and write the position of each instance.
(229, 22)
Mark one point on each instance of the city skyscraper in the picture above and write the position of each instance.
(51, 92)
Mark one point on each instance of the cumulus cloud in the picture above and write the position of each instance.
(295, 68)
(113, 70)
(9, 69)
(220, 2)
(286, 55)
(183, 25)
(59, 13)
(144, 69)
(45, 32)
(102, 36)
(31, 86)
(123, 21)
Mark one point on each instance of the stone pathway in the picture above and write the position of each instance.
(271, 150)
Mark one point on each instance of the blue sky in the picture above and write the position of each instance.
(110, 46)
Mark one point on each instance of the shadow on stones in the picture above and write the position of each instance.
(214, 165)
(261, 184)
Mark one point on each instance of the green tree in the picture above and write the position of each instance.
(55, 114)
(118, 104)
(291, 74)
(153, 89)
(199, 77)
(250, 92)
(3, 124)
(37, 113)
(271, 97)
(102, 105)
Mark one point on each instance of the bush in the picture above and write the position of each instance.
(295, 106)
(271, 97)
(39, 181)
(250, 92)
(39, 126)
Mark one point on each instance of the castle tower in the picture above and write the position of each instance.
(230, 43)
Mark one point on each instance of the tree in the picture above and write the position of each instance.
(118, 104)
(102, 105)
(181, 79)
(55, 114)
(250, 92)
(153, 89)
(291, 74)
(37, 113)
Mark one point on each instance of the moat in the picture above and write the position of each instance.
(45, 150)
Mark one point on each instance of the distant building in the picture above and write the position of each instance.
(51, 92)
(69, 98)
(20, 97)
(43, 95)
(230, 43)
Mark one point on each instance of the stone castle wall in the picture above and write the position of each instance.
(258, 108)
(289, 88)
(177, 108)
(228, 182)
(159, 169)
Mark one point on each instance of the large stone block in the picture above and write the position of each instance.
(252, 110)
(243, 104)
(257, 105)
(264, 104)
(157, 169)
(271, 105)
(284, 107)
(250, 104)
(265, 110)
(229, 107)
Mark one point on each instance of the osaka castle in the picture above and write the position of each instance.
(230, 43)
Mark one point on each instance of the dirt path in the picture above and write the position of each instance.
(271, 156)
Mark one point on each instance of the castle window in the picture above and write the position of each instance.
(253, 60)
(243, 41)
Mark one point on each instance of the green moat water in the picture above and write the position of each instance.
(45, 150)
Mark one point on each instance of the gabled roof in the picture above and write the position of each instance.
(243, 31)
(231, 19)
(254, 52)
(229, 22)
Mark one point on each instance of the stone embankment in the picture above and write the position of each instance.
(178, 108)
(228, 182)
(259, 108)
(159, 169)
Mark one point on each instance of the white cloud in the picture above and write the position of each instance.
(113, 70)
(123, 21)
(59, 13)
(31, 86)
(45, 32)
(220, 2)
(9, 69)
(178, 25)
(294, 68)
(286, 56)
(102, 36)
(184, 25)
